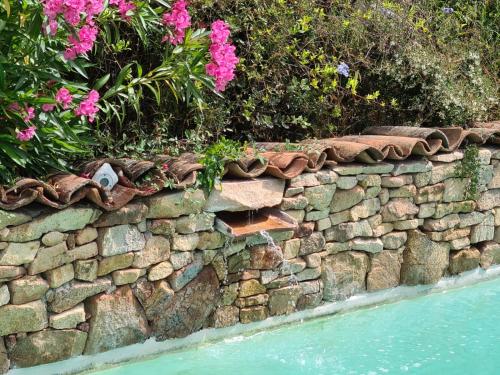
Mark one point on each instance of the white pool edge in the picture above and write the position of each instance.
(152, 348)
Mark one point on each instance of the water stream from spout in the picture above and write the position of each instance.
(285, 268)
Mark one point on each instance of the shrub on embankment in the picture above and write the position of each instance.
(306, 69)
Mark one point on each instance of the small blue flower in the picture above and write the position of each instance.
(343, 69)
(447, 10)
(387, 12)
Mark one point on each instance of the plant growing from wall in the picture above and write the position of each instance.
(214, 159)
(469, 168)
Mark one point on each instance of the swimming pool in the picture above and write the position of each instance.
(451, 332)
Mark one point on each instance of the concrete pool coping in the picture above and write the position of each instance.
(152, 348)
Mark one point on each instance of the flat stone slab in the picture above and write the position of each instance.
(246, 195)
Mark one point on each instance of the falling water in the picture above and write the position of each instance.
(285, 265)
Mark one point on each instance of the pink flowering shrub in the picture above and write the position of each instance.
(223, 56)
(69, 68)
(179, 20)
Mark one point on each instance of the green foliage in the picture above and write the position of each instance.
(129, 65)
(470, 169)
(215, 158)
(411, 64)
(30, 66)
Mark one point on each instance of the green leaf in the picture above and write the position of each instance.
(102, 81)
(16, 155)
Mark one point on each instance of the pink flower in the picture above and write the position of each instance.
(124, 7)
(223, 56)
(86, 38)
(179, 19)
(48, 107)
(88, 106)
(30, 114)
(219, 32)
(64, 97)
(26, 134)
(53, 26)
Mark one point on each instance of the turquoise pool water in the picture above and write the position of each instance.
(447, 333)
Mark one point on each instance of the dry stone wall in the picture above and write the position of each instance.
(80, 281)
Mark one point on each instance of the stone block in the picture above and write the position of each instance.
(344, 199)
(253, 314)
(59, 276)
(488, 200)
(293, 191)
(439, 225)
(245, 195)
(113, 263)
(117, 320)
(424, 261)
(127, 276)
(394, 240)
(17, 254)
(66, 220)
(346, 182)
(11, 218)
(251, 287)
(85, 235)
(369, 245)
(47, 347)
(178, 279)
(132, 213)
(396, 181)
(226, 316)
(71, 294)
(346, 231)
(384, 271)
(48, 258)
(69, 318)
(432, 193)
(53, 238)
(398, 209)
(171, 205)
(195, 223)
(455, 189)
(30, 317)
(86, 270)
(192, 306)
(156, 250)
(160, 271)
(344, 274)
(284, 300)
(320, 197)
(464, 260)
(165, 227)
(312, 244)
(8, 273)
(490, 254)
(119, 240)
(366, 208)
(411, 166)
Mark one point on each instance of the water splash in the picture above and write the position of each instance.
(285, 268)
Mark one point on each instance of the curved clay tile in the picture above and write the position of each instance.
(26, 191)
(316, 155)
(182, 170)
(250, 166)
(398, 148)
(342, 151)
(427, 134)
(285, 165)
